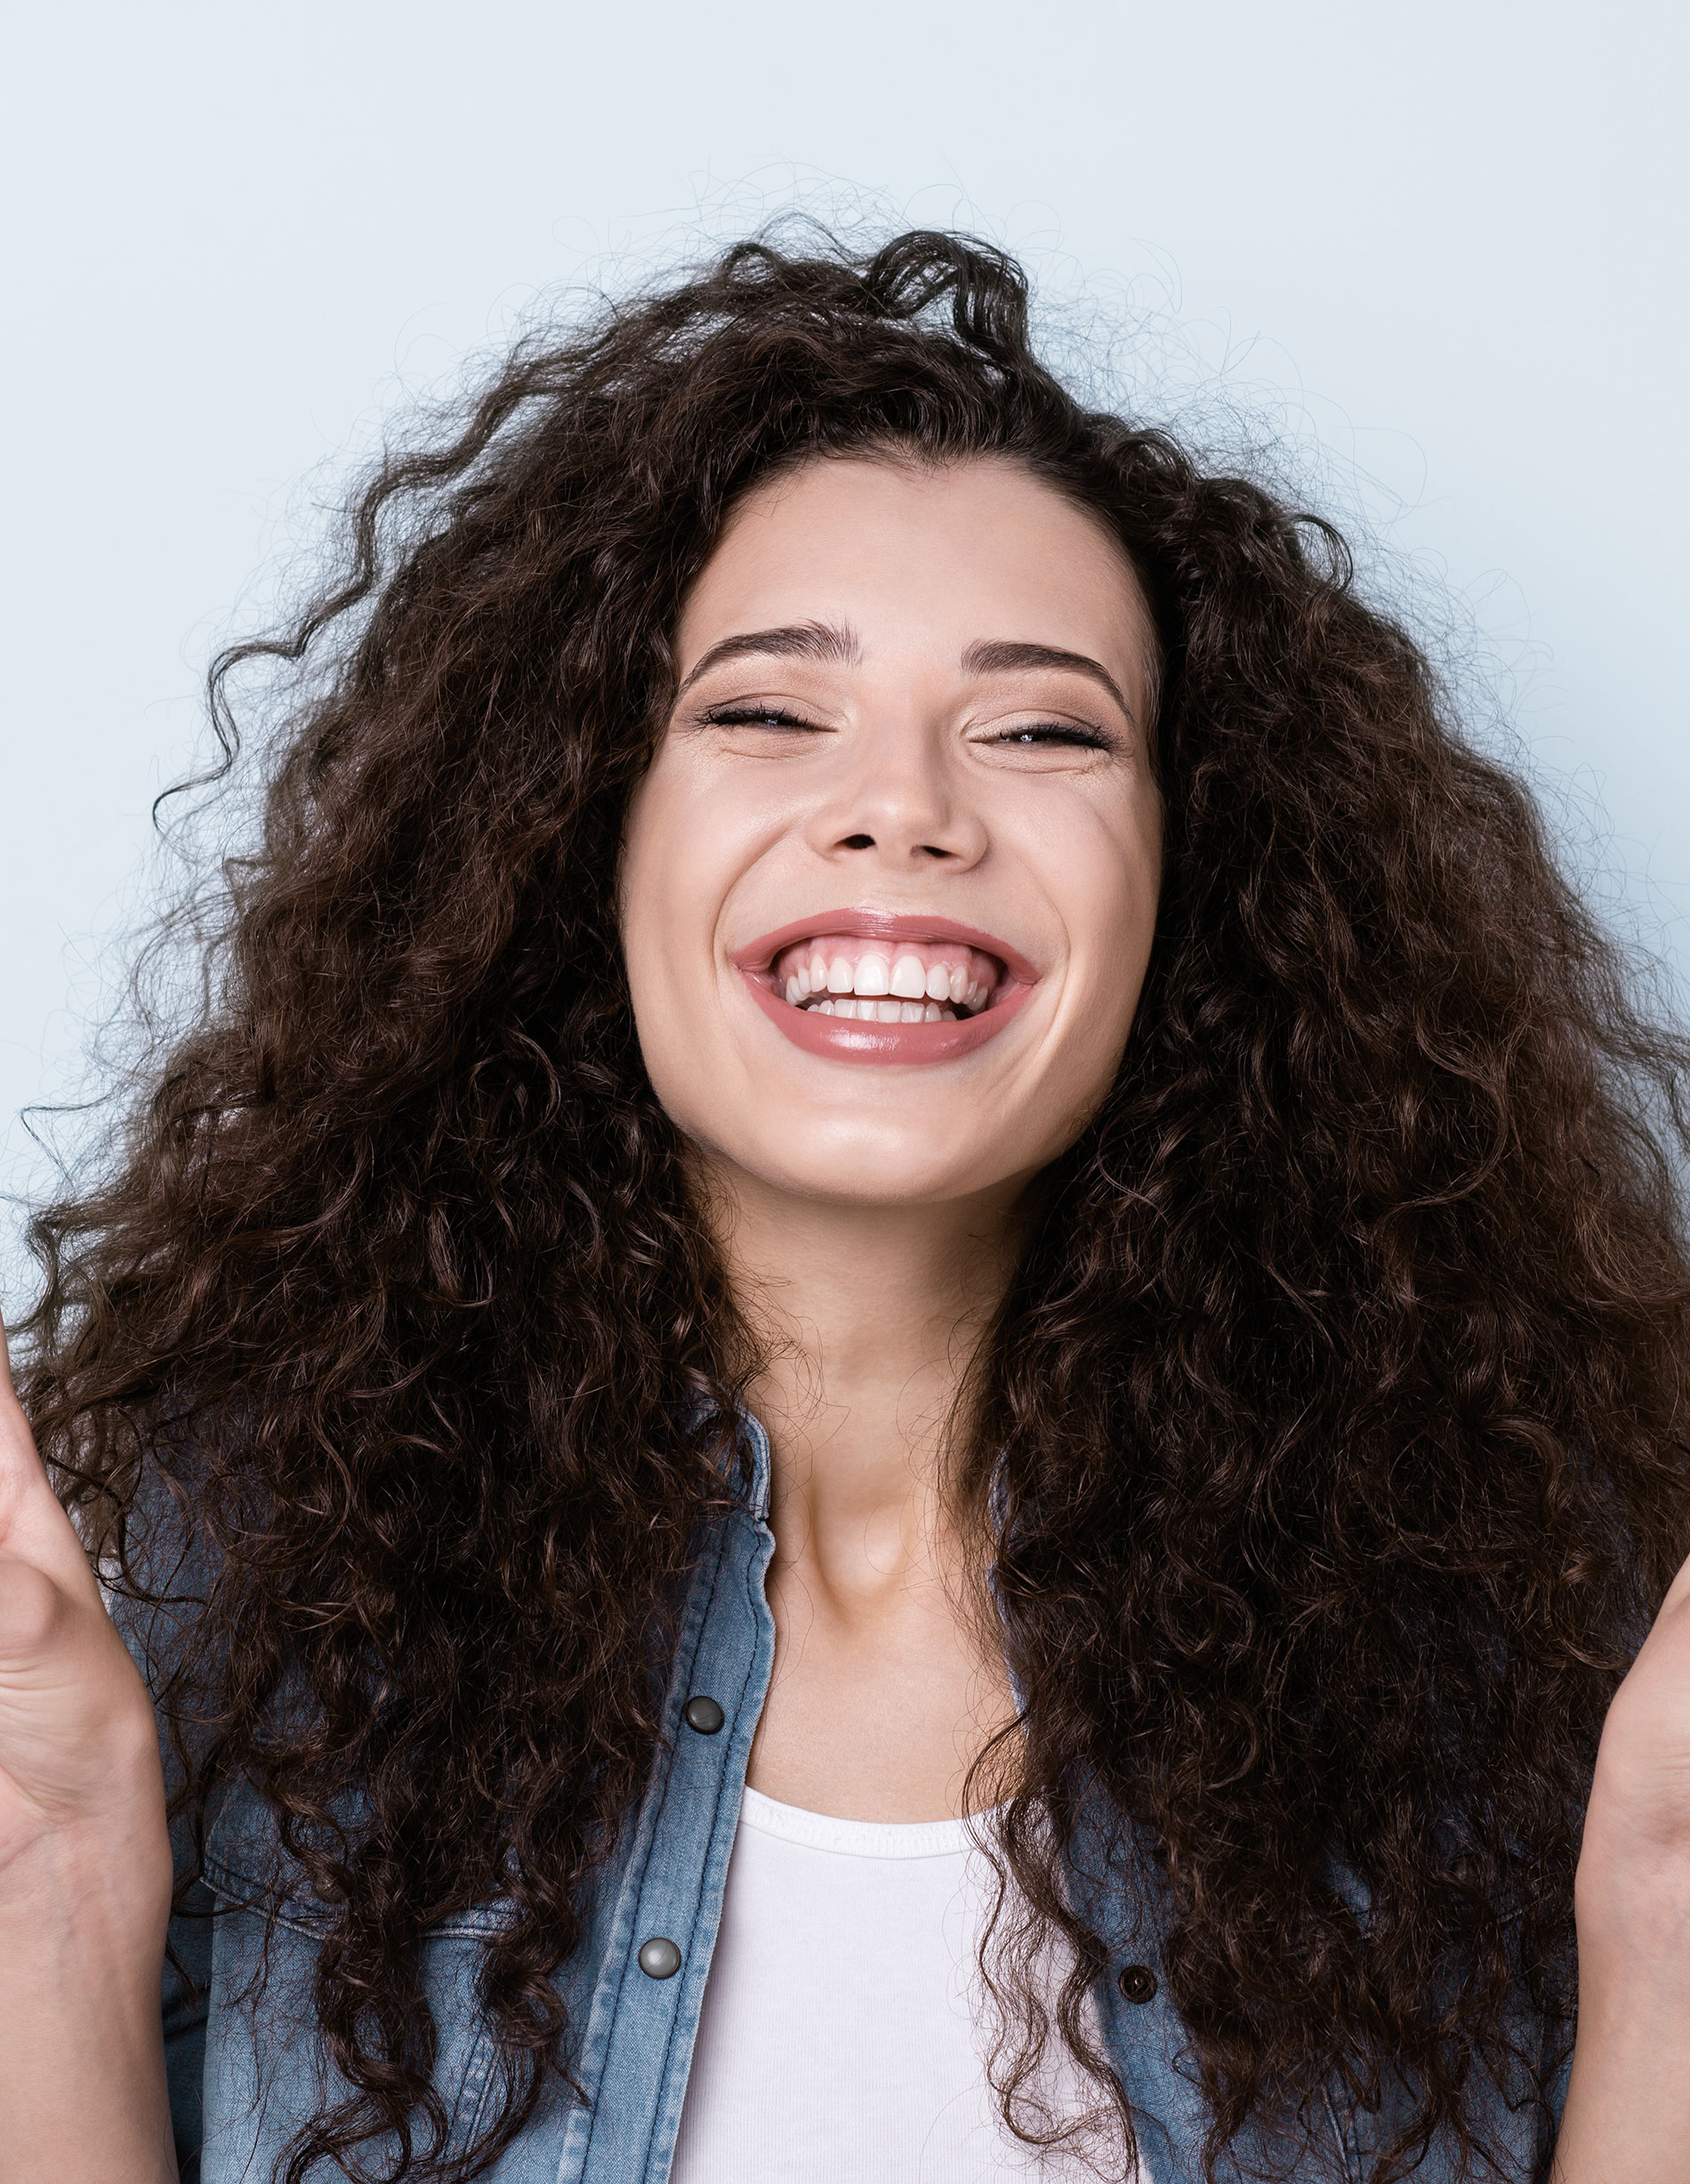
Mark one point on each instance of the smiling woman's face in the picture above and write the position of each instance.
(889, 884)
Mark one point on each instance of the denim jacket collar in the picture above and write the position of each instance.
(251, 2049)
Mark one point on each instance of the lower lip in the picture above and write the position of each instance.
(847, 1038)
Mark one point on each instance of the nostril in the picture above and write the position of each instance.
(858, 842)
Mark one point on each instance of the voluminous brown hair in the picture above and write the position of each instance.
(1335, 1411)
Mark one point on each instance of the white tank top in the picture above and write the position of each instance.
(841, 2039)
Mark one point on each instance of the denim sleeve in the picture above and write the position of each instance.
(1518, 2125)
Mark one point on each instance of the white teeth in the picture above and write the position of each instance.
(881, 988)
(871, 1010)
(909, 977)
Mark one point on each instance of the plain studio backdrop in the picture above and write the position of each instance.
(1436, 254)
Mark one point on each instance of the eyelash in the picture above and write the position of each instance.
(1036, 733)
(1055, 732)
(751, 717)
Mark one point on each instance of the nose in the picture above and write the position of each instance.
(900, 806)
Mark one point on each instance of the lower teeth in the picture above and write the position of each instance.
(882, 1012)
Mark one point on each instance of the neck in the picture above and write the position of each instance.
(886, 1686)
(866, 1317)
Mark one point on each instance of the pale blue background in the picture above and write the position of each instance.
(1439, 247)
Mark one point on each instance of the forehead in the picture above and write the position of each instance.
(915, 554)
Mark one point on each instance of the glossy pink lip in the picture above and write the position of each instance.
(844, 1038)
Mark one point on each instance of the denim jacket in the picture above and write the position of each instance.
(246, 2068)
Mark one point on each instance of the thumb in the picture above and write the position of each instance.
(34, 1528)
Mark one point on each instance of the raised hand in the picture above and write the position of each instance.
(1627, 2110)
(84, 1856)
(77, 1733)
(1637, 1832)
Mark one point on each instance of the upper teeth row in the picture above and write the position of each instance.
(907, 976)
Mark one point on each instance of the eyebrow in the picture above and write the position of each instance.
(1003, 656)
(824, 641)
(797, 640)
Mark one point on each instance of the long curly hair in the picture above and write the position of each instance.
(1330, 1437)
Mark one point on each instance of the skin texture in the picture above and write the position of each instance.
(870, 1214)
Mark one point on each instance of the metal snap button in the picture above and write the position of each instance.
(1137, 1982)
(659, 1958)
(703, 1714)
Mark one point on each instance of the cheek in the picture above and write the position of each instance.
(653, 912)
(674, 880)
(1109, 903)
(640, 915)
(666, 867)
(663, 1025)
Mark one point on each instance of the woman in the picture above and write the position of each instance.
(892, 1150)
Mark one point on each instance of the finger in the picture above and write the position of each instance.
(20, 1464)
(33, 1526)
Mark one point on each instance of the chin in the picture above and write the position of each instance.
(860, 1169)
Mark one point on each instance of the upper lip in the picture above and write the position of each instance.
(889, 925)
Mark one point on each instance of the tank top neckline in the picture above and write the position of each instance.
(826, 1831)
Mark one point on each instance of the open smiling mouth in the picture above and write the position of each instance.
(863, 985)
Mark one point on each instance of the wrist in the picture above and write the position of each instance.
(82, 2058)
(1627, 2103)
(100, 1894)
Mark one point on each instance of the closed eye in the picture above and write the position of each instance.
(1044, 732)
(755, 717)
